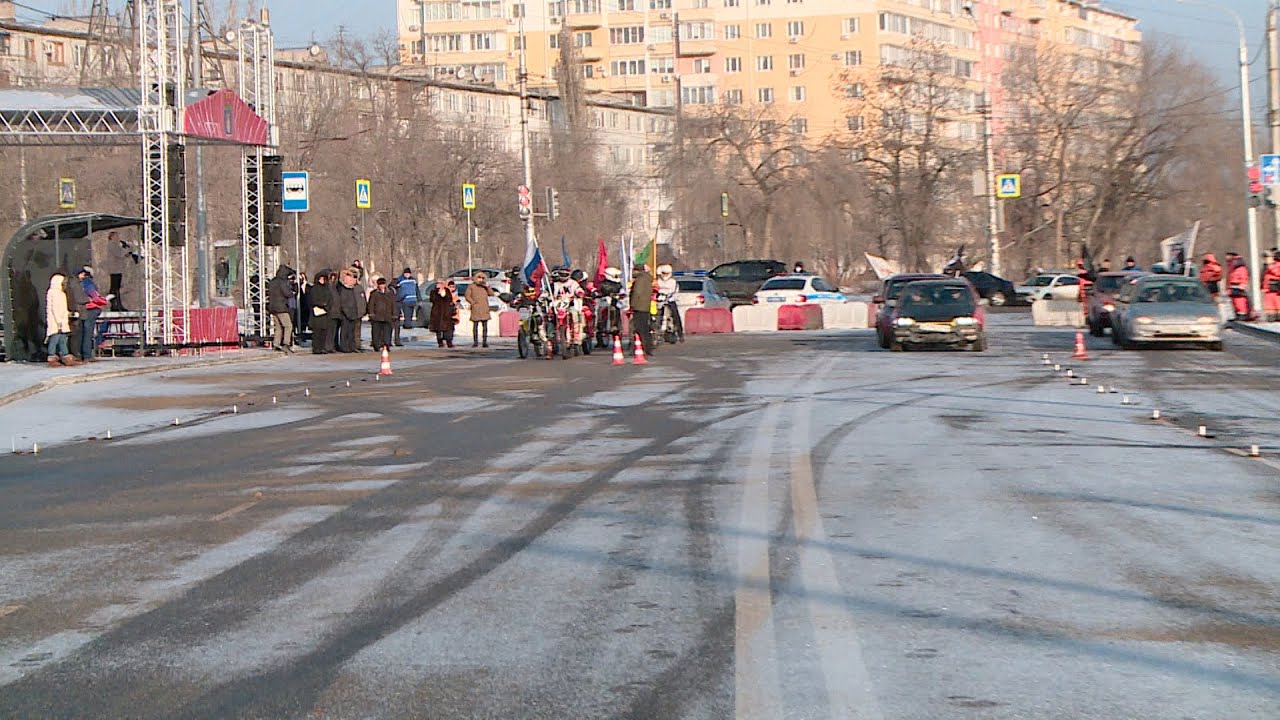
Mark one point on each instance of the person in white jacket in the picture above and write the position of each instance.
(57, 320)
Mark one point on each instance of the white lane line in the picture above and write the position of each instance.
(7, 610)
(233, 511)
(849, 688)
(757, 693)
(16, 662)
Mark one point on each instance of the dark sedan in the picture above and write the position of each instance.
(992, 288)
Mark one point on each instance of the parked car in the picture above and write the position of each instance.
(1050, 286)
(803, 288)
(495, 303)
(992, 288)
(939, 312)
(888, 297)
(1101, 300)
(739, 280)
(699, 291)
(498, 279)
(1165, 309)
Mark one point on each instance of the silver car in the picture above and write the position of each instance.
(1165, 309)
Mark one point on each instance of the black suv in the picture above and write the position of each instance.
(740, 279)
(992, 287)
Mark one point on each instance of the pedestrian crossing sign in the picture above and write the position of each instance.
(364, 197)
(468, 196)
(1009, 186)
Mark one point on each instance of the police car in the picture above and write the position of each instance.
(797, 288)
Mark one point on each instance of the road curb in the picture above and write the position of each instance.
(1255, 332)
(66, 380)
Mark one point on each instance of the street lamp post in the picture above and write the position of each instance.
(988, 149)
(1246, 129)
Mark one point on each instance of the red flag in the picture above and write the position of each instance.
(602, 261)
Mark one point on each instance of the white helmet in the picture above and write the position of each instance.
(664, 270)
(613, 274)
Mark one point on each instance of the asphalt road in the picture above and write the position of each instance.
(759, 526)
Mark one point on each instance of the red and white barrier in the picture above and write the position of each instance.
(755, 318)
(508, 323)
(800, 317)
(702, 321)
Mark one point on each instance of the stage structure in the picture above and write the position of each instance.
(154, 116)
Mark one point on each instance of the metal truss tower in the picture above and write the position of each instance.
(163, 88)
(258, 88)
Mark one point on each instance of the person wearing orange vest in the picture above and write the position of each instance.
(1238, 284)
(1271, 289)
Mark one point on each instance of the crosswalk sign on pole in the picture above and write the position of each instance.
(67, 193)
(364, 198)
(468, 196)
(1009, 186)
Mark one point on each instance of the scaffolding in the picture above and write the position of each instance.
(258, 88)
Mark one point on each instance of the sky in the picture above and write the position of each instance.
(1203, 26)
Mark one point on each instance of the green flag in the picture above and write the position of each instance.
(647, 255)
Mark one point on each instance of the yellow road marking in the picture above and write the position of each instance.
(7, 610)
(234, 511)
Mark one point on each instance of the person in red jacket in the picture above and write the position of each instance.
(1238, 284)
(1211, 274)
(1271, 289)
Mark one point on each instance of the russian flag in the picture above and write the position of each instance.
(534, 268)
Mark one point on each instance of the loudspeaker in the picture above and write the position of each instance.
(272, 199)
(177, 194)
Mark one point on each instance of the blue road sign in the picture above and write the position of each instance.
(1009, 186)
(296, 192)
(364, 199)
(468, 196)
(1270, 166)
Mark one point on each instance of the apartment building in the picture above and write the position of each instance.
(793, 55)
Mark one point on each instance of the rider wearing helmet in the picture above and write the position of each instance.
(612, 283)
(566, 291)
(667, 288)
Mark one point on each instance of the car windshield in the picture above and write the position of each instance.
(725, 272)
(1042, 280)
(693, 286)
(952, 297)
(784, 284)
(894, 288)
(1173, 292)
(1109, 283)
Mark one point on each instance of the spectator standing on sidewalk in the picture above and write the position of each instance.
(57, 320)
(280, 290)
(407, 297)
(348, 309)
(382, 314)
(1271, 289)
(1211, 274)
(1238, 282)
(444, 308)
(477, 297)
(89, 303)
(322, 314)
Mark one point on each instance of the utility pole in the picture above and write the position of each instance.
(993, 220)
(525, 155)
(1273, 90)
(202, 215)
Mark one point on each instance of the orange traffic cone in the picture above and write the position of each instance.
(1080, 353)
(617, 351)
(640, 359)
(386, 362)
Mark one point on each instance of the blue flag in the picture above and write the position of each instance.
(564, 248)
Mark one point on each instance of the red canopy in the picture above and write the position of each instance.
(224, 117)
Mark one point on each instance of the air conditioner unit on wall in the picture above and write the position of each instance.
(795, 72)
(795, 39)
(844, 36)
(666, 78)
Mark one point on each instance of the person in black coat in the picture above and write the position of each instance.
(348, 311)
(280, 290)
(382, 314)
(322, 310)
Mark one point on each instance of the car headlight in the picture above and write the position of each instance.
(1109, 307)
(1144, 320)
(961, 321)
(904, 322)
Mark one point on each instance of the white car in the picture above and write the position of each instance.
(699, 291)
(1050, 286)
(795, 289)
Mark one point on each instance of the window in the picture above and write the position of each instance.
(731, 3)
(702, 65)
(856, 123)
(764, 30)
(700, 4)
(627, 5)
(733, 64)
(482, 41)
(795, 61)
(768, 127)
(518, 10)
(662, 65)
(732, 32)
(733, 97)
(704, 95)
(855, 90)
(556, 8)
(765, 95)
(627, 35)
(588, 71)
(852, 57)
(627, 67)
(795, 28)
(797, 93)
(29, 48)
(892, 22)
(582, 39)
(517, 42)
(964, 68)
(852, 25)
(764, 62)
(763, 2)
(445, 42)
(697, 31)
(56, 52)
(659, 4)
(554, 40)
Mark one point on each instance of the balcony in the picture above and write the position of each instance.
(696, 48)
(591, 53)
(584, 21)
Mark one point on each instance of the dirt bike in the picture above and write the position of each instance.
(532, 337)
(569, 331)
(608, 319)
(665, 324)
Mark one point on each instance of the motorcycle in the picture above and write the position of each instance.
(569, 331)
(608, 319)
(532, 337)
(665, 328)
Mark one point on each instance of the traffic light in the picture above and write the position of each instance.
(553, 203)
(355, 234)
(1257, 191)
